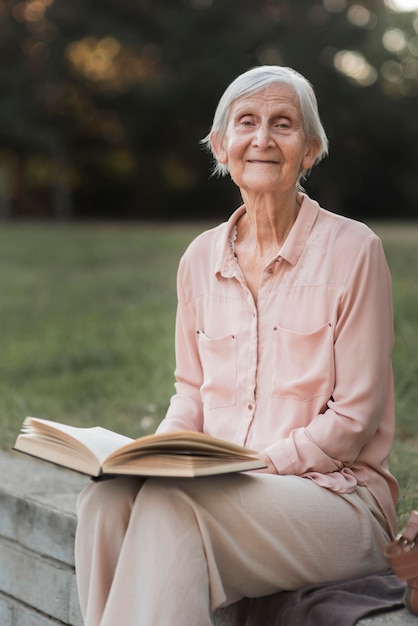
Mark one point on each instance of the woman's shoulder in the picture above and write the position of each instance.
(212, 242)
(206, 238)
(344, 224)
(345, 227)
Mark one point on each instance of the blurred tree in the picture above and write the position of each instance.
(103, 105)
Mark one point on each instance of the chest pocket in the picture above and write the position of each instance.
(218, 356)
(303, 363)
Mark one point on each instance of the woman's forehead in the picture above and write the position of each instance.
(276, 94)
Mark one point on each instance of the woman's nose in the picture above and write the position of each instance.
(262, 137)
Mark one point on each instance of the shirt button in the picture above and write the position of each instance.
(250, 406)
(270, 270)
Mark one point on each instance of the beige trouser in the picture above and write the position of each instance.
(168, 552)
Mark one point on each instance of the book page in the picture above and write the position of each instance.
(181, 443)
(99, 441)
(180, 465)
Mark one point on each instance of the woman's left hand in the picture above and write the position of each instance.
(270, 467)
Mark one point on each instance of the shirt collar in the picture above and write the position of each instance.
(225, 259)
(291, 249)
(296, 240)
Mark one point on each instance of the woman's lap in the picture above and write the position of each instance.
(261, 533)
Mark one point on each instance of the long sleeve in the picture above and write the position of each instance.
(335, 438)
(186, 410)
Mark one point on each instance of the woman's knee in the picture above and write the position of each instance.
(111, 497)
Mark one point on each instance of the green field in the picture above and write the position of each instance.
(87, 326)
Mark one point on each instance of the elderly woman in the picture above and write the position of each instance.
(283, 344)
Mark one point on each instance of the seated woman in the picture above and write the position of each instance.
(283, 344)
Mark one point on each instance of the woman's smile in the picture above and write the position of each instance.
(263, 161)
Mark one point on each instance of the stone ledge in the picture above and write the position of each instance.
(44, 584)
(37, 528)
(391, 618)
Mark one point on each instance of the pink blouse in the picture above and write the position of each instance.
(303, 374)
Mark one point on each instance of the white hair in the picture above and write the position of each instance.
(258, 79)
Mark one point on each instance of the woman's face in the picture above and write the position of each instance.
(265, 147)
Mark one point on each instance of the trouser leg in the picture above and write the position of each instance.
(139, 555)
(104, 510)
(193, 545)
(161, 578)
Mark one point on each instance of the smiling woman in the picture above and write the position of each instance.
(302, 97)
(265, 142)
(283, 344)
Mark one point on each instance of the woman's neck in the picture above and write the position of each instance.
(267, 221)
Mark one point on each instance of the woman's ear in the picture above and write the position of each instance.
(218, 147)
(312, 150)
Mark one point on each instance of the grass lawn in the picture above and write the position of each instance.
(401, 247)
(87, 326)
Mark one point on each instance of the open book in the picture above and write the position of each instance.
(98, 452)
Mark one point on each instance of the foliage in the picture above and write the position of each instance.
(87, 319)
(103, 104)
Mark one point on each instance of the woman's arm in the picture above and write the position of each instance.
(363, 389)
(186, 410)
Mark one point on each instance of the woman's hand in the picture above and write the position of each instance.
(270, 467)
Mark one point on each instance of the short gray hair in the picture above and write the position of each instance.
(257, 79)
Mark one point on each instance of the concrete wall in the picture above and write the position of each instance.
(37, 526)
